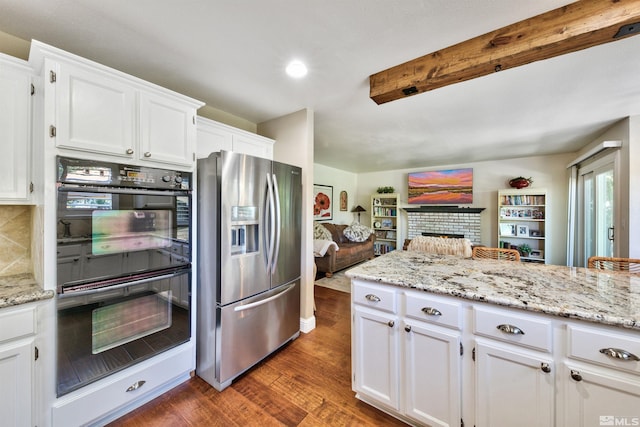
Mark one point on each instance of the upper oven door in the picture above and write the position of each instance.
(112, 233)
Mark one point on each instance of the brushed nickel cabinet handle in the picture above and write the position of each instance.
(575, 375)
(147, 154)
(372, 297)
(129, 151)
(135, 385)
(407, 328)
(431, 311)
(617, 353)
(545, 367)
(510, 329)
(391, 323)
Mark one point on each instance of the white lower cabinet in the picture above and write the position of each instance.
(514, 387)
(517, 369)
(114, 396)
(17, 335)
(432, 386)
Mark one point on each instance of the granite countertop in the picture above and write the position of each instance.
(21, 289)
(611, 298)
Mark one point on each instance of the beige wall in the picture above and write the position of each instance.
(341, 181)
(548, 172)
(14, 46)
(294, 145)
(15, 240)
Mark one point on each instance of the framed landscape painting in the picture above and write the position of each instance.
(443, 187)
(322, 202)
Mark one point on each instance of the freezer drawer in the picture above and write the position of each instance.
(254, 328)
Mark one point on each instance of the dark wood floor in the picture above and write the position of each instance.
(306, 383)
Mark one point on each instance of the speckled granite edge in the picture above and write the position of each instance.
(21, 289)
(576, 293)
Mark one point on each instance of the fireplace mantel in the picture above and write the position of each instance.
(447, 209)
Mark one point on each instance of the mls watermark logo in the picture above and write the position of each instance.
(611, 420)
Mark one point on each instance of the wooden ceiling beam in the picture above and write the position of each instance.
(574, 27)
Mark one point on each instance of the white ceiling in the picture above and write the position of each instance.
(232, 54)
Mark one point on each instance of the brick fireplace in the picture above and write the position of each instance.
(444, 220)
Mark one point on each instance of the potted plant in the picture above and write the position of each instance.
(520, 182)
(524, 249)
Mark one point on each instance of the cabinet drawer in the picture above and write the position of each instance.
(94, 402)
(17, 323)
(604, 348)
(379, 297)
(524, 330)
(69, 250)
(433, 309)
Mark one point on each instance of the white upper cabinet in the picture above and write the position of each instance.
(214, 136)
(95, 112)
(102, 113)
(15, 135)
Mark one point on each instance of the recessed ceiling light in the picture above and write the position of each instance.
(296, 69)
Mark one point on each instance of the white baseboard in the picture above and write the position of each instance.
(307, 325)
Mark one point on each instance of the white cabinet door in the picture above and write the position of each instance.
(95, 112)
(167, 130)
(432, 375)
(15, 135)
(375, 352)
(512, 387)
(599, 397)
(212, 137)
(15, 388)
(254, 145)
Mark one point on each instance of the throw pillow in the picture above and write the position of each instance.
(320, 232)
(357, 232)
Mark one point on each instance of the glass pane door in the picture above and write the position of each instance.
(597, 211)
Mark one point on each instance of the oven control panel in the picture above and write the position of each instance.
(98, 173)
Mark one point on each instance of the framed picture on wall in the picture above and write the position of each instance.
(322, 202)
(343, 200)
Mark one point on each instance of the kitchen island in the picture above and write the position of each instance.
(437, 339)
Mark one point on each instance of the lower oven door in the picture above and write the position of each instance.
(102, 331)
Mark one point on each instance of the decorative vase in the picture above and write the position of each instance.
(520, 182)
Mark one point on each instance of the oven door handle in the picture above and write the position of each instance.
(83, 189)
(70, 294)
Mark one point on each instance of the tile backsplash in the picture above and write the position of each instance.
(15, 239)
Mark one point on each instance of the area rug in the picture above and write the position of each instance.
(339, 282)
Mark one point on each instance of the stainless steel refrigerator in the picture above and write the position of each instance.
(248, 262)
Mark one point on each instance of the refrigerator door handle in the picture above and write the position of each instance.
(264, 301)
(272, 220)
(278, 221)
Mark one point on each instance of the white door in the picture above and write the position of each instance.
(596, 213)
(375, 354)
(16, 384)
(513, 387)
(432, 375)
(15, 137)
(167, 131)
(597, 397)
(94, 111)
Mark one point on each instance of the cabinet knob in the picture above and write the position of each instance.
(510, 329)
(617, 353)
(129, 151)
(391, 323)
(431, 311)
(575, 375)
(147, 154)
(545, 367)
(407, 328)
(372, 297)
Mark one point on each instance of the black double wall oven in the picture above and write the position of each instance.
(123, 267)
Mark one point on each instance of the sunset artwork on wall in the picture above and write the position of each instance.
(442, 187)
